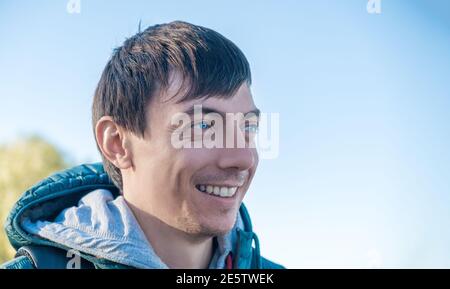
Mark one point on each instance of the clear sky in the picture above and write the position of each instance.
(362, 177)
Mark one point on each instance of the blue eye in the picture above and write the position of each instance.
(202, 125)
(253, 128)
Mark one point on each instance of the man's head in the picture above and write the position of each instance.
(156, 74)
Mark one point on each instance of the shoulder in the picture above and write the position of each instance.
(21, 262)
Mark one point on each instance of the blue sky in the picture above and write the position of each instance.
(362, 177)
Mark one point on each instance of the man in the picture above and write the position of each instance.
(164, 197)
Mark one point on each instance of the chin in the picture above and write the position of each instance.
(209, 227)
(218, 227)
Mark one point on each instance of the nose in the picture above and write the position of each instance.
(238, 158)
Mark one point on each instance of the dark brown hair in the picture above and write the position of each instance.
(210, 64)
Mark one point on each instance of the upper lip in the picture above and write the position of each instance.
(221, 185)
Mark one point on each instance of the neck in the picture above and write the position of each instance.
(177, 249)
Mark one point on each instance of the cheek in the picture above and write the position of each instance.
(256, 157)
(187, 163)
(154, 165)
(252, 169)
(169, 171)
(198, 157)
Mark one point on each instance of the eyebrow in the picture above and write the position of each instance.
(206, 110)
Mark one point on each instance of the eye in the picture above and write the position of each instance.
(202, 125)
(252, 128)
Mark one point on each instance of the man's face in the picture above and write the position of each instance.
(178, 185)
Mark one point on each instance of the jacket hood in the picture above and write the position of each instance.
(46, 200)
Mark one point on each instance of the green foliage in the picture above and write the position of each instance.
(22, 164)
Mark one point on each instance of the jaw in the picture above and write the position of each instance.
(215, 215)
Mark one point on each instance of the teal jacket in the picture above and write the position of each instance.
(64, 189)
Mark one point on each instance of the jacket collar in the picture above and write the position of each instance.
(64, 189)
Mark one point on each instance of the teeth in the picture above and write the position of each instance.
(232, 190)
(224, 192)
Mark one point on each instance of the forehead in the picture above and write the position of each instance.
(241, 101)
(170, 100)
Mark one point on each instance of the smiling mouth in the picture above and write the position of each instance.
(219, 191)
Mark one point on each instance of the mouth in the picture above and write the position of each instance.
(218, 191)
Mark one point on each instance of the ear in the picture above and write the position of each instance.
(114, 143)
